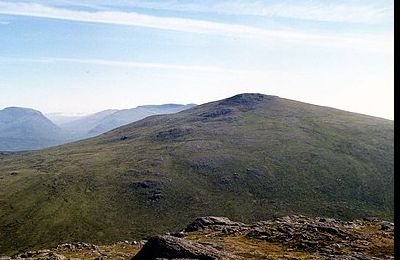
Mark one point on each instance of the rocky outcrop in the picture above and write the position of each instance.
(219, 112)
(247, 101)
(45, 254)
(170, 247)
(323, 238)
(77, 246)
(290, 237)
(173, 134)
(215, 223)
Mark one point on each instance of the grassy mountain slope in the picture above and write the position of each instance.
(249, 157)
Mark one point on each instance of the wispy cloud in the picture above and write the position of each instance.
(132, 64)
(193, 26)
(335, 11)
(353, 11)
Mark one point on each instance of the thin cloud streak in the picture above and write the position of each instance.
(305, 10)
(332, 11)
(193, 26)
(139, 65)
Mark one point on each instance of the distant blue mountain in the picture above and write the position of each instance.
(126, 116)
(27, 129)
(80, 127)
(104, 121)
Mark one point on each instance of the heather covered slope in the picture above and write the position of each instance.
(249, 157)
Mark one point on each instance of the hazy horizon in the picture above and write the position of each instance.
(83, 114)
(69, 56)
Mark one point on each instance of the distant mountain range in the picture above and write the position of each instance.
(61, 118)
(107, 120)
(249, 157)
(28, 129)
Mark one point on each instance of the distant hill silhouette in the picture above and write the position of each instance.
(27, 129)
(104, 121)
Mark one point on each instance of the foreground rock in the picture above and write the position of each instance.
(40, 254)
(82, 251)
(169, 247)
(291, 237)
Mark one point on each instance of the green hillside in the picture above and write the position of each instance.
(248, 157)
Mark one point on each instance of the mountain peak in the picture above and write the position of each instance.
(26, 129)
(20, 111)
(247, 100)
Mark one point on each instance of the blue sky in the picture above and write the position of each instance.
(81, 56)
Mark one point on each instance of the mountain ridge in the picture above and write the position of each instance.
(106, 120)
(247, 157)
(19, 131)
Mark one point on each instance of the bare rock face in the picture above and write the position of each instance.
(169, 247)
(216, 223)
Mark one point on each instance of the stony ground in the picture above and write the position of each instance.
(292, 237)
(299, 237)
